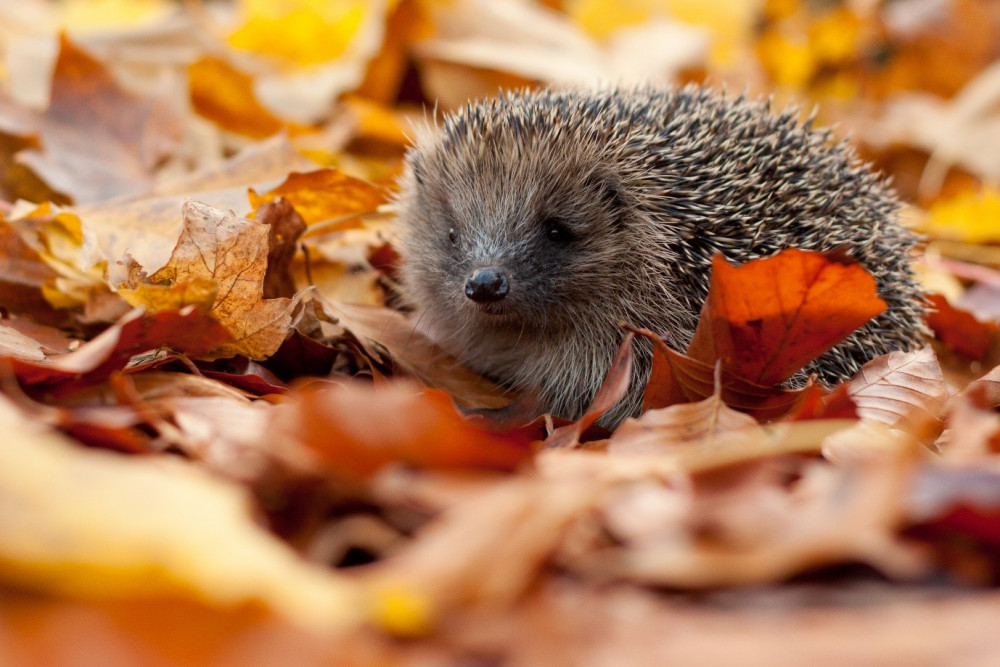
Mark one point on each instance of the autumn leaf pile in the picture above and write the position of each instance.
(224, 440)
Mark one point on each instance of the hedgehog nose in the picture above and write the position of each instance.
(486, 285)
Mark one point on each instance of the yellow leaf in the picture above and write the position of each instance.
(96, 524)
(59, 240)
(299, 32)
(602, 18)
(403, 612)
(972, 216)
(729, 22)
(835, 36)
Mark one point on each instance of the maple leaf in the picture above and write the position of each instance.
(219, 264)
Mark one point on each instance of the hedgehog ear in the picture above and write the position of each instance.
(609, 188)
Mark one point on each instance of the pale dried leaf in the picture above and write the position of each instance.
(684, 424)
(899, 387)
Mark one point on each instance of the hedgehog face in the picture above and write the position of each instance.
(508, 245)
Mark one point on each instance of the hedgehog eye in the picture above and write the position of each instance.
(557, 231)
(452, 235)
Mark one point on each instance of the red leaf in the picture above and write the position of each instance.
(190, 330)
(959, 329)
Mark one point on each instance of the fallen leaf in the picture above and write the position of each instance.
(900, 387)
(219, 263)
(325, 195)
(23, 274)
(189, 330)
(768, 318)
(613, 388)
(346, 427)
(685, 424)
(99, 141)
(960, 330)
(678, 378)
(285, 226)
(225, 96)
(299, 31)
(382, 330)
(96, 524)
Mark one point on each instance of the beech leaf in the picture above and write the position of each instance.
(770, 317)
(899, 387)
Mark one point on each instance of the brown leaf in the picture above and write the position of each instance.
(899, 387)
(347, 426)
(381, 330)
(973, 427)
(989, 385)
(685, 424)
(99, 140)
(770, 317)
(285, 226)
(23, 275)
(746, 525)
(220, 260)
(678, 378)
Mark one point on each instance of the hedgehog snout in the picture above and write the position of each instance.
(487, 285)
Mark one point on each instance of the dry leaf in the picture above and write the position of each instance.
(900, 387)
(685, 424)
(346, 427)
(325, 194)
(96, 524)
(98, 140)
(770, 317)
(189, 330)
(219, 264)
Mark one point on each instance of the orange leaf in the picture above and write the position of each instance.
(771, 317)
(358, 429)
(225, 96)
(679, 378)
(324, 194)
(190, 330)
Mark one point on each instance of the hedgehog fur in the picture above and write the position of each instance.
(535, 223)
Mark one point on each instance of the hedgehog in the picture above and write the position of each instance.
(535, 223)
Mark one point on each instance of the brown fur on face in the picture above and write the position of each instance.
(607, 206)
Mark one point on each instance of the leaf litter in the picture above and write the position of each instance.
(218, 409)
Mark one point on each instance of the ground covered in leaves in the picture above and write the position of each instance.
(226, 442)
